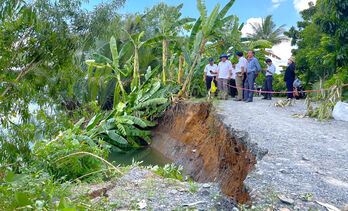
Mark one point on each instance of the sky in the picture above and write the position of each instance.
(249, 11)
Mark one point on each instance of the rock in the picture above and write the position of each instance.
(174, 191)
(284, 209)
(286, 200)
(163, 185)
(235, 209)
(193, 204)
(297, 206)
(305, 158)
(206, 185)
(205, 193)
(283, 171)
(345, 207)
(142, 204)
(328, 206)
(340, 111)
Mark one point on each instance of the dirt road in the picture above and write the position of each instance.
(306, 157)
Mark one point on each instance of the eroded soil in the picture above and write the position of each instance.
(191, 135)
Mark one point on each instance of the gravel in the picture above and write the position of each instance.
(305, 156)
(141, 189)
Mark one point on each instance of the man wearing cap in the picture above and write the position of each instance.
(252, 71)
(270, 70)
(240, 70)
(224, 74)
(210, 72)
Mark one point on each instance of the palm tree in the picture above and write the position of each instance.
(267, 31)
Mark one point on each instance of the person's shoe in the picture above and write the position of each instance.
(269, 99)
(264, 98)
(237, 99)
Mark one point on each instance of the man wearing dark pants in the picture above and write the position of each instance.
(233, 81)
(252, 71)
(210, 72)
(289, 76)
(269, 78)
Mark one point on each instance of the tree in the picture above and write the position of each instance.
(267, 31)
(36, 54)
(331, 17)
(166, 23)
(203, 31)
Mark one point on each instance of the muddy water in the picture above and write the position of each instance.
(148, 156)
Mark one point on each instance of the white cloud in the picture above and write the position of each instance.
(248, 28)
(275, 6)
(302, 4)
(282, 50)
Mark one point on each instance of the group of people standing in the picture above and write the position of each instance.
(242, 75)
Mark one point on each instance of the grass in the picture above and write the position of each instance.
(204, 100)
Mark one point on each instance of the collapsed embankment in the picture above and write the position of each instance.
(192, 135)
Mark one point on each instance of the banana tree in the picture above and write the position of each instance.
(204, 30)
(137, 43)
(107, 64)
(228, 40)
(167, 33)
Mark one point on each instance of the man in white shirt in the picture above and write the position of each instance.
(224, 75)
(270, 71)
(210, 72)
(233, 90)
(240, 72)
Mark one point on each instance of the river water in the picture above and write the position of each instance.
(147, 155)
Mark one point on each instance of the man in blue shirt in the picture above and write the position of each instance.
(270, 70)
(253, 70)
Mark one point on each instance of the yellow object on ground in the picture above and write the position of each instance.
(213, 87)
